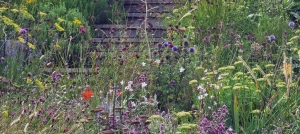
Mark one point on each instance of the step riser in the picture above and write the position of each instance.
(130, 33)
(157, 8)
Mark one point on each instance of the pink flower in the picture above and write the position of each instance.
(82, 29)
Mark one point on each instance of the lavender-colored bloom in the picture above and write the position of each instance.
(42, 99)
(175, 48)
(50, 112)
(166, 44)
(191, 49)
(272, 38)
(44, 120)
(170, 44)
(2, 59)
(23, 31)
(291, 24)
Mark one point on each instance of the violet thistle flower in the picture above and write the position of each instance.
(166, 44)
(42, 99)
(50, 112)
(185, 43)
(23, 31)
(191, 49)
(170, 44)
(44, 120)
(292, 24)
(271, 38)
(175, 48)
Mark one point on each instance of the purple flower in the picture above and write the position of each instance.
(23, 31)
(271, 38)
(42, 99)
(166, 44)
(44, 120)
(50, 112)
(291, 24)
(170, 44)
(191, 49)
(175, 48)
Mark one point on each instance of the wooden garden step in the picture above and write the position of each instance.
(149, 15)
(155, 7)
(131, 32)
(69, 70)
(152, 1)
(126, 40)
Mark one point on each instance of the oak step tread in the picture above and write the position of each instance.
(70, 70)
(129, 40)
(111, 26)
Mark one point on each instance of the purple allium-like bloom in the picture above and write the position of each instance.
(175, 48)
(42, 99)
(170, 44)
(185, 43)
(23, 31)
(50, 112)
(191, 49)
(271, 38)
(44, 120)
(166, 44)
(291, 24)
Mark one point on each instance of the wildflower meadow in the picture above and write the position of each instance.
(219, 67)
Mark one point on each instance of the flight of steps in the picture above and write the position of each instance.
(133, 31)
(110, 38)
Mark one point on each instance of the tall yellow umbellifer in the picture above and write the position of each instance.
(287, 71)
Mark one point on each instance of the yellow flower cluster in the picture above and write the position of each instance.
(76, 21)
(14, 10)
(2, 9)
(60, 19)
(40, 84)
(58, 27)
(29, 1)
(30, 45)
(42, 13)
(287, 69)
(21, 39)
(26, 14)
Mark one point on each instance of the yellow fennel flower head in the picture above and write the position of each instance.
(30, 45)
(7, 20)
(60, 19)
(294, 38)
(156, 117)
(2, 9)
(58, 27)
(26, 14)
(238, 63)
(287, 69)
(76, 21)
(299, 54)
(56, 47)
(5, 114)
(298, 31)
(199, 69)
(21, 39)
(289, 43)
(183, 114)
(29, 81)
(29, 1)
(17, 27)
(42, 13)
(193, 82)
(269, 66)
(230, 68)
(40, 84)
(14, 10)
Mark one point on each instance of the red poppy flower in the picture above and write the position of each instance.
(87, 94)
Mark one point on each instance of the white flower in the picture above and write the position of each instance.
(205, 94)
(181, 69)
(143, 64)
(144, 84)
(129, 88)
(220, 77)
(212, 96)
(209, 107)
(205, 70)
(215, 103)
(157, 61)
(130, 82)
(200, 97)
(122, 82)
